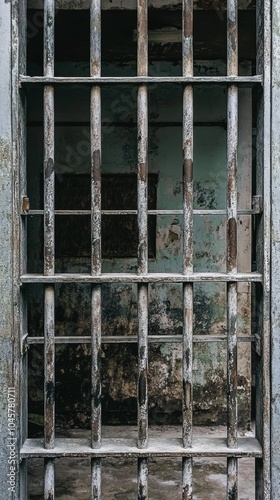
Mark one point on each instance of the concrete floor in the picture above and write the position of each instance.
(119, 476)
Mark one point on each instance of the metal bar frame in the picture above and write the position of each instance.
(134, 340)
(142, 220)
(144, 80)
(195, 277)
(95, 115)
(187, 354)
(51, 448)
(232, 145)
(49, 251)
(150, 212)
(263, 246)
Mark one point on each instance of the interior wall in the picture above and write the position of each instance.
(119, 155)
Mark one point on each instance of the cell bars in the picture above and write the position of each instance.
(187, 448)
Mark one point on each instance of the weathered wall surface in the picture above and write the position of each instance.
(119, 362)
(7, 337)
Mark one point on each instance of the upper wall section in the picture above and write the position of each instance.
(131, 4)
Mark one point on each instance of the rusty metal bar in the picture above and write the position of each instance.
(187, 430)
(119, 339)
(142, 366)
(49, 479)
(49, 181)
(232, 145)
(142, 221)
(253, 211)
(49, 360)
(49, 389)
(246, 81)
(253, 277)
(96, 367)
(142, 178)
(96, 478)
(143, 473)
(49, 16)
(187, 479)
(142, 38)
(95, 120)
(232, 476)
(142, 266)
(49, 250)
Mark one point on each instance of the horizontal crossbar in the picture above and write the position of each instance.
(117, 339)
(145, 278)
(157, 447)
(140, 80)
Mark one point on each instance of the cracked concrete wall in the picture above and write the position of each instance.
(119, 362)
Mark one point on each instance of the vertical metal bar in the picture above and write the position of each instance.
(232, 475)
(142, 219)
(267, 134)
(187, 42)
(187, 478)
(95, 119)
(96, 479)
(142, 267)
(49, 479)
(232, 145)
(49, 171)
(142, 367)
(49, 363)
(96, 368)
(49, 254)
(143, 473)
(49, 175)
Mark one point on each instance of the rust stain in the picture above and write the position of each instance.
(232, 178)
(188, 24)
(142, 388)
(142, 172)
(142, 254)
(188, 261)
(50, 19)
(49, 168)
(232, 243)
(94, 68)
(49, 386)
(187, 494)
(97, 393)
(96, 163)
(25, 205)
(95, 432)
(49, 357)
(50, 496)
(187, 394)
(188, 171)
(232, 30)
(142, 432)
(142, 492)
